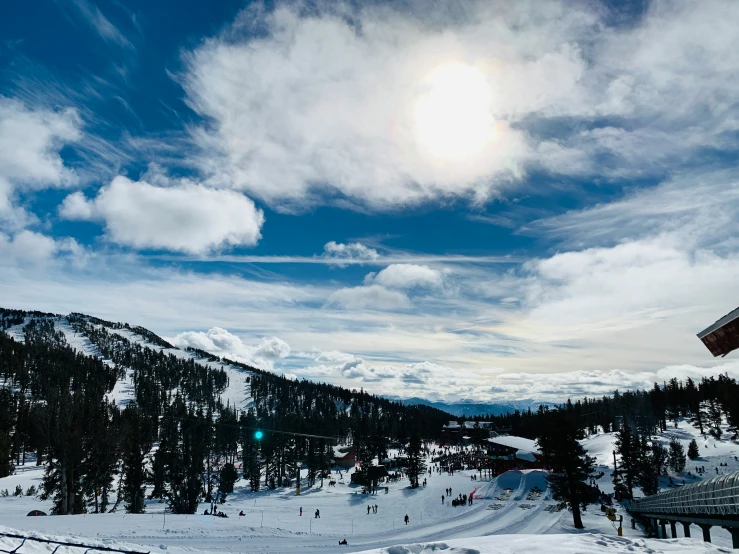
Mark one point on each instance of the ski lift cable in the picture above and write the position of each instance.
(336, 438)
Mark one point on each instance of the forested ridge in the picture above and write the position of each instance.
(637, 418)
(176, 439)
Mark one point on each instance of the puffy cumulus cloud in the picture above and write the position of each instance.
(76, 206)
(406, 276)
(354, 368)
(309, 103)
(334, 356)
(634, 284)
(30, 142)
(30, 248)
(372, 297)
(557, 387)
(427, 379)
(221, 342)
(271, 348)
(436, 381)
(352, 251)
(183, 217)
(662, 257)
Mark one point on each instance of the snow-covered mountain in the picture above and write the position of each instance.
(472, 408)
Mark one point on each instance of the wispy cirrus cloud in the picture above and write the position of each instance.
(91, 15)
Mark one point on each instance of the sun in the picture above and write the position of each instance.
(452, 114)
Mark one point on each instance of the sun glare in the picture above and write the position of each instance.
(453, 119)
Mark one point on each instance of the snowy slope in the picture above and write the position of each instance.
(273, 522)
(552, 544)
(511, 513)
(236, 394)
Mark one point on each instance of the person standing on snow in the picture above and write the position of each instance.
(301, 510)
(406, 519)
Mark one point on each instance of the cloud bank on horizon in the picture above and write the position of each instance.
(496, 199)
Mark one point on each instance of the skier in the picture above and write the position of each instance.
(406, 519)
(442, 498)
(375, 508)
(301, 510)
(318, 514)
(368, 509)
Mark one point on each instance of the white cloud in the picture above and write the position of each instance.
(220, 342)
(75, 206)
(334, 356)
(184, 217)
(92, 15)
(271, 348)
(700, 208)
(317, 105)
(30, 248)
(352, 251)
(30, 142)
(373, 297)
(407, 276)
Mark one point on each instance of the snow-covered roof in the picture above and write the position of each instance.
(341, 451)
(452, 425)
(519, 443)
(479, 424)
(525, 455)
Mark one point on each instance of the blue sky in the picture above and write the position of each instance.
(486, 200)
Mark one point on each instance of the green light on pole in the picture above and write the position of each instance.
(258, 435)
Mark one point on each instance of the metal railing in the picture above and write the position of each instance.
(718, 496)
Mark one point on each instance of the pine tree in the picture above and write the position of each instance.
(185, 472)
(715, 416)
(627, 447)
(676, 459)
(416, 462)
(653, 461)
(134, 472)
(569, 463)
(7, 421)
(693, 451)
(226, 479)
(250, 450)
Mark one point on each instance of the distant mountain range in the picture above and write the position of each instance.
(471, 408)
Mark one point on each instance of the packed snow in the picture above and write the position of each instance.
(512, 513)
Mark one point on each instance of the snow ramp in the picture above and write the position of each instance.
(515, 485)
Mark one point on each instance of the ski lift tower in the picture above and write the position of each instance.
(723, 336)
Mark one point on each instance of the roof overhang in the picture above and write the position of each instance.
(723, 336)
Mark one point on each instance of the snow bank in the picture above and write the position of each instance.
(553, 544)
